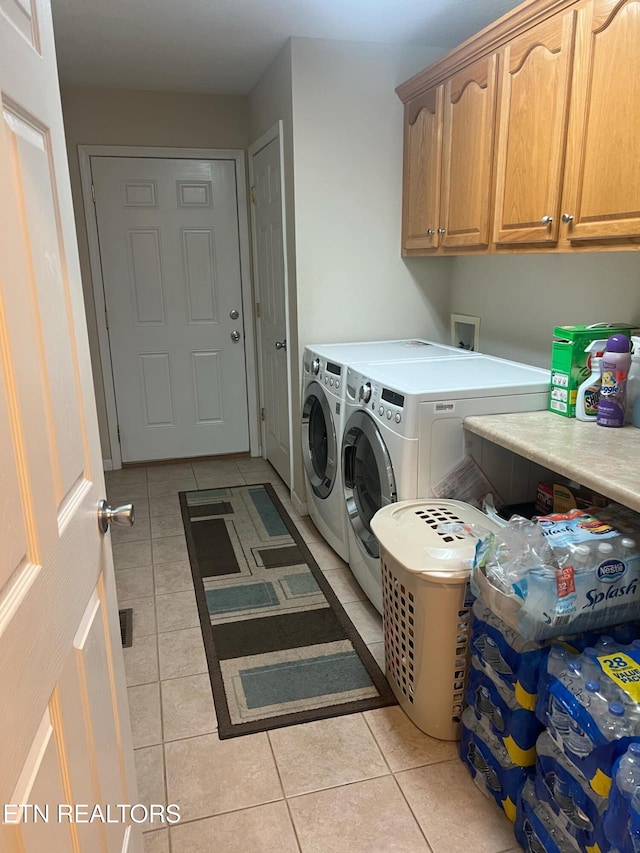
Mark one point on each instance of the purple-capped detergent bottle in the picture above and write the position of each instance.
(614, 367)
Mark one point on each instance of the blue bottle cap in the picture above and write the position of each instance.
(574, 666)
(617, 709)
(606, 640)
(593, 686)
(634, 749)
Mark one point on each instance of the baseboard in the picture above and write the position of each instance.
(107, 465)
(300, 505)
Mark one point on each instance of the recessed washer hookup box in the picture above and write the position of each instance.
(570, 362)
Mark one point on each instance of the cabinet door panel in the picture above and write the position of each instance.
(422, 156)
(534, 91)
(603, 165)
(468, 134)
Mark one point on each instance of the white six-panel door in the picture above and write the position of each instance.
(170, 256)
(270, 293)
(64, 726)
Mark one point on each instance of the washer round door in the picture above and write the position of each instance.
(319, 445)
(369, 482)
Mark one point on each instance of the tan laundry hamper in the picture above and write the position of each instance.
(426, 553)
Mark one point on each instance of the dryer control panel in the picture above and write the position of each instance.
(387, 405)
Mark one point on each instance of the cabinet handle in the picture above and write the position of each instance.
(567, 217)
(441, 231)
(547, 220)
(431, 232)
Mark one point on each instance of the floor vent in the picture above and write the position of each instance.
(126, 627)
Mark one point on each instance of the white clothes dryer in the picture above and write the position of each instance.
(323, 395)
(403, 433)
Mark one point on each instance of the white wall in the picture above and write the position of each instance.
(352, 282)
(520, 298)
(343, 131)
(343, 175)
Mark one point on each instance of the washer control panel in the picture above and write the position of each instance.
(328, 373)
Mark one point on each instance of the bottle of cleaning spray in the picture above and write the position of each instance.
(614, 368)
(633, 383)
(589, 391)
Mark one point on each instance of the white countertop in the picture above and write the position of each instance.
(601, 458)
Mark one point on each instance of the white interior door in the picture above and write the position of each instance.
(269, 275)
(170, 252)
(64, 725)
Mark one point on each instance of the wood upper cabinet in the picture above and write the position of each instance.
(421, 180)
(448, 162)
(602, 185)
(533, 118)
(527, 136)
(467, 155)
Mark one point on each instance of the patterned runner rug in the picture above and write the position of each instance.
(280, 648)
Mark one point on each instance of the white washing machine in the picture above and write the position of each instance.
(323, 395)
(403, 433)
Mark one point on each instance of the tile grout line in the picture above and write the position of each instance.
(418, 824)
(164, 754)
(284, 794)
(233, 811)
(393, 776)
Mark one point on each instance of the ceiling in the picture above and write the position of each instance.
(224, 46)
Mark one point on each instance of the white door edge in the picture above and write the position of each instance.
(85, 153)
(275, 132)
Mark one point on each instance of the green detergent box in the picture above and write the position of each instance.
(569, 361)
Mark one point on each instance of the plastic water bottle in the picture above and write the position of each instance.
(498, 720)
(596, 701)
(582, 557)
(578, 740)
(483, 704)
(494, 659)
(557, 660)
(628, 775)
(605, 551)
(590, 665)
(560, 721)
(573, 678)
(628, 548)
(565, 798)
(615, 725)
(606, 643)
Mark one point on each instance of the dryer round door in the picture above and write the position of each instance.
(369, 482)
(319, 445)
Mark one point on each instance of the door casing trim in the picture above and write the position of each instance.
(276, 131)
(85, 153)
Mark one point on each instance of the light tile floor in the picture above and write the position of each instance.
(363, 782)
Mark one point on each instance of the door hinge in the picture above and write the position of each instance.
(93, 193)
(253, 195)
(257, 309)
(119, 442)
(262, 415)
